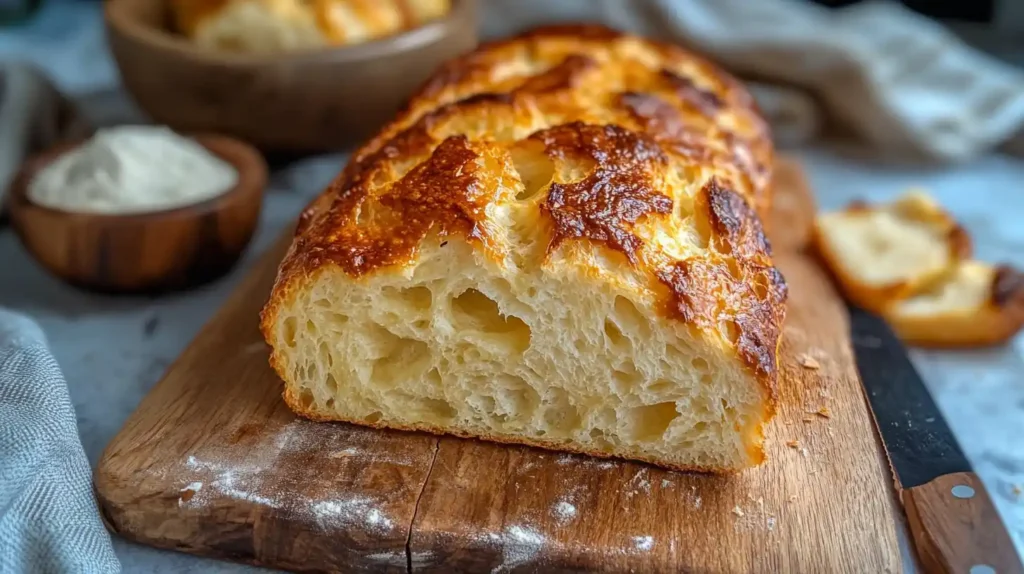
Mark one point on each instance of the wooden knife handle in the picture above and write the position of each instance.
(956, 528)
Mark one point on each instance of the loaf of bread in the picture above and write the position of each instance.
(882, 253)
(266, 26)
(557, 243)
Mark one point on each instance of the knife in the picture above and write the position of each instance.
(952, 520)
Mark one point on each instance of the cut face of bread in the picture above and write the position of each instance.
(974, 304)
(882, 253)
(557, 244)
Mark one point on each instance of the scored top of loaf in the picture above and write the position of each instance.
(637, 160)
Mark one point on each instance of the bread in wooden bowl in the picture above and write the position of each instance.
(974, 304)
(558, 244)
(881, 253)
(269, 26)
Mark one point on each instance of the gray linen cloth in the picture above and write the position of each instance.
(48, 516)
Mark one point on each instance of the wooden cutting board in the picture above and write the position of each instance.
(213, 463)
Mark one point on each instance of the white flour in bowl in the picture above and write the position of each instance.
(132, 169)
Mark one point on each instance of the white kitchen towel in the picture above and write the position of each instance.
(899, 82)
(49, 522)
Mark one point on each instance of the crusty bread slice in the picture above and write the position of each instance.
(974, 304)
(882, 253)
(556, 244)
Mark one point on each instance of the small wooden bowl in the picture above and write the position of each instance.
(145, 252)
(304, 101)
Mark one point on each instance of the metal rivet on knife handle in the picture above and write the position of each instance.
(982, 569)
(963, 491)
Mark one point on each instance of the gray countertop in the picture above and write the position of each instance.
(113, 350)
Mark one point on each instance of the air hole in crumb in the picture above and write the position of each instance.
(535, 168)
(649, 423)
(630, 318)
(373, 417)
(323, 303)
(661, 386)
(700, 364)
(614, 335)
(330, 403)
(399, 359)
(310, 327)
(474, 311)
(625, 377)
(289, 331)
(580, 344)
(561, 417)
(332, 384)
(433, 378)
(425, 409)
(305, 398)
(516, 397)
(326, 358)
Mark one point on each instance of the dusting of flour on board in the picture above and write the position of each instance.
(208, 478)
(520, 545)
(643, 543)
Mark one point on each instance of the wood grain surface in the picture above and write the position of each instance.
(956, 527)
(213, 463)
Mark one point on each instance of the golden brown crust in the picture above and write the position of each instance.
(619, 190)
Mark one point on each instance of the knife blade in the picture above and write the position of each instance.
(952, 520)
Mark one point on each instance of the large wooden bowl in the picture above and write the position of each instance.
(307, 101)
(145, 252)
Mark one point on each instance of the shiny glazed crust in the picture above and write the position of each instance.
(661, 166)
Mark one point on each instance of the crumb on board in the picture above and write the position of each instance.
(808, 362)
(803, 452)
(792, 498)
(824, 412)
(795, 444)
(771, 523)
(808, 419)
(737, 510)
